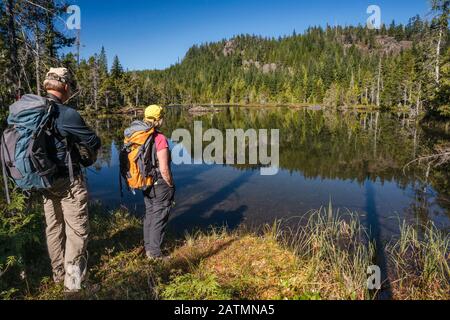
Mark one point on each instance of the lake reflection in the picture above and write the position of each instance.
(355, 160)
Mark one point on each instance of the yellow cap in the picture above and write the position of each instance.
(154, 113)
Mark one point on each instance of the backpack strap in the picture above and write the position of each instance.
(47, 124)
(122, 175)
(52, 130)
(140, 157)
(155, 162)
(69, 162)
(42, 127)
(153, 155)
(120, 186)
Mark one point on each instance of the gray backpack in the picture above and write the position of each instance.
(23, 151)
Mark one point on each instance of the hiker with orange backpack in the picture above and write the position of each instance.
(145, 165)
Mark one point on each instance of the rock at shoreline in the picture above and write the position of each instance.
(201, 110)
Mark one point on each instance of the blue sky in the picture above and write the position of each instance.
(149, 34)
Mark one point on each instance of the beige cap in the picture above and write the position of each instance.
(58, 74)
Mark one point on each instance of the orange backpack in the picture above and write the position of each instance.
(138, 162)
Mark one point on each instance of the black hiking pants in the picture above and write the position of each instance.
(158, 203)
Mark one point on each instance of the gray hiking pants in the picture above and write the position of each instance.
(158, 203)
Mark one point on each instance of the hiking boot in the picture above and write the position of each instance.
(58, 275)
(73, 279)
(163, 259)
(76, 273)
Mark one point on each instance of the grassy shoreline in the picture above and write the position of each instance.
(325, 258)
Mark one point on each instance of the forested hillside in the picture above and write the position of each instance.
(405, 66)
(333, 66)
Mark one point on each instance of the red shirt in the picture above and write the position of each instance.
(161, 142)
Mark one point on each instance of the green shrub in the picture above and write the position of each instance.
(194, 287)
(21, 233)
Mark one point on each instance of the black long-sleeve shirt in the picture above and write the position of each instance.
(70, 126)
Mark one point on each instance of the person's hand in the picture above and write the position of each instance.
(88, 158)
(171, 186)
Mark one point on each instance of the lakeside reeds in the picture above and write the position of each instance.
(324, 258)
(420, 264)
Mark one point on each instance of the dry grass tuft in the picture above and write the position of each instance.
(421, 264)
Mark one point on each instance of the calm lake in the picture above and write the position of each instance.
(355, 160)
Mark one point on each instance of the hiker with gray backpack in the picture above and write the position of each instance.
(44, 149)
